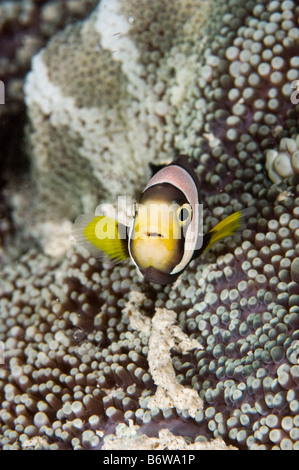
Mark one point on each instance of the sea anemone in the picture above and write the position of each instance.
(212, 82)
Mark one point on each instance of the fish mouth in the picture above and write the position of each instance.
(153, 235)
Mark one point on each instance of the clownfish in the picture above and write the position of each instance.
(166, 233)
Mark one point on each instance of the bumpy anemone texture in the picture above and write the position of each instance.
(83, 339)
(284, 162)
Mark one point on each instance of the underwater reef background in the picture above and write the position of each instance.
(94, 356)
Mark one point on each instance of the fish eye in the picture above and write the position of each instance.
(184, 214)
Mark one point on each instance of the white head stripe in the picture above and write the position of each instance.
(178, 177)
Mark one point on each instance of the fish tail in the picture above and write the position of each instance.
(227, 227)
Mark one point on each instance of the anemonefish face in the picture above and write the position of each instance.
(166, 228)
(157, 236)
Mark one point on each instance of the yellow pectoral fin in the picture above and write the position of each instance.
(101, 235)
(229, 226)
